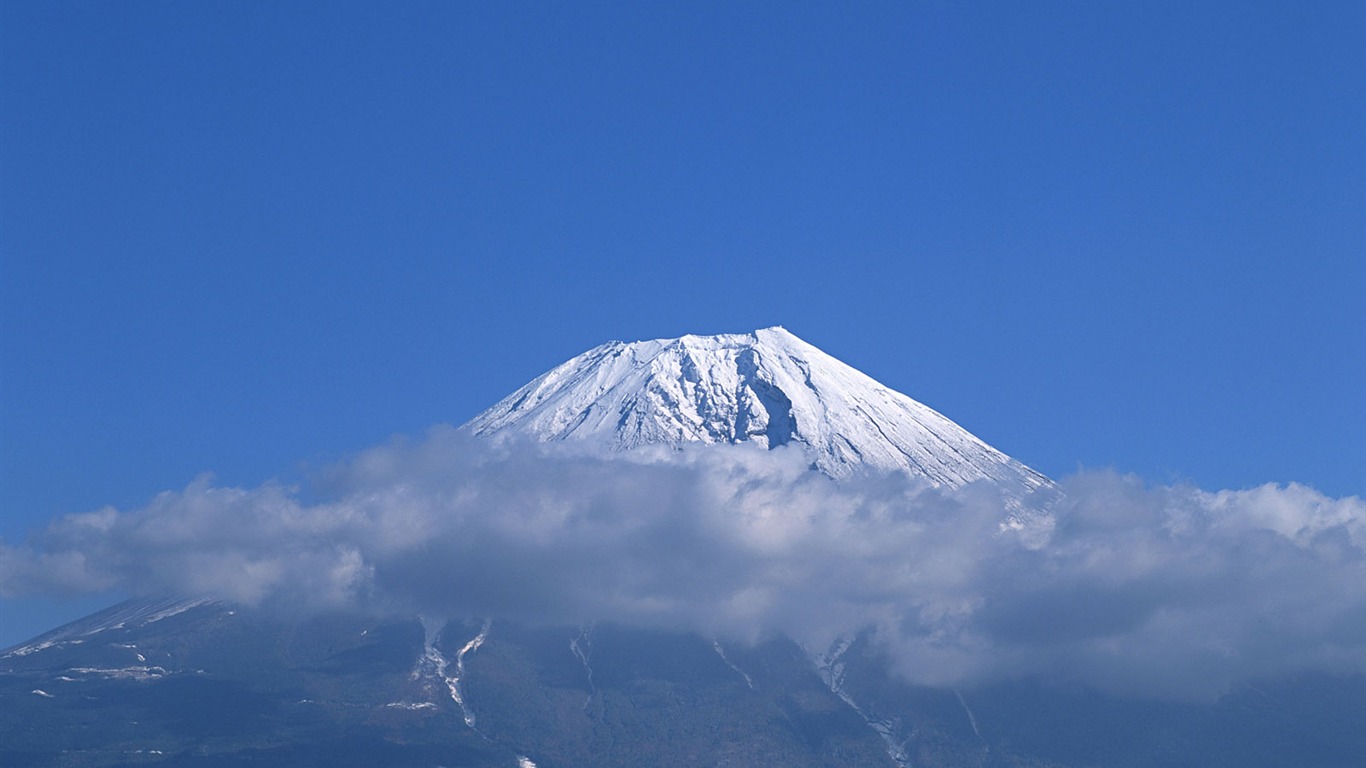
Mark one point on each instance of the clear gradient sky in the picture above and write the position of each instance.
(254, 238)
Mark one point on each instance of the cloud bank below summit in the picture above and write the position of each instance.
(1170, 591)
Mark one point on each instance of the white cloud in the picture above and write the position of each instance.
(1168, 591)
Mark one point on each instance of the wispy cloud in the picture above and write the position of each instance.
(1166, 591)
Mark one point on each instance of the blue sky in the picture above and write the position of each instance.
(253, 239)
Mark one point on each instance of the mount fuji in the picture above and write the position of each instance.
(767, 388)
(198, 681)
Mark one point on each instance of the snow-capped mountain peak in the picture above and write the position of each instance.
(767, 387)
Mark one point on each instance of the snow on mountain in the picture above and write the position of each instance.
(767, 387)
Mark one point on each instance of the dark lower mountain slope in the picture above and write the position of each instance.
(205, 684)
(211, 685)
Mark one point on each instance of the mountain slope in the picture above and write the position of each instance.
(204, 683)
(769, 388)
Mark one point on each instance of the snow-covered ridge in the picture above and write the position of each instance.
(768, 388)
(130, 613)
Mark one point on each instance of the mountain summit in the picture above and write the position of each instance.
(767, 387)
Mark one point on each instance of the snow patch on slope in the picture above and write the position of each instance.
(831, 667)
(433, 665)
(972, 719)
(720, 651)
(582, 648)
